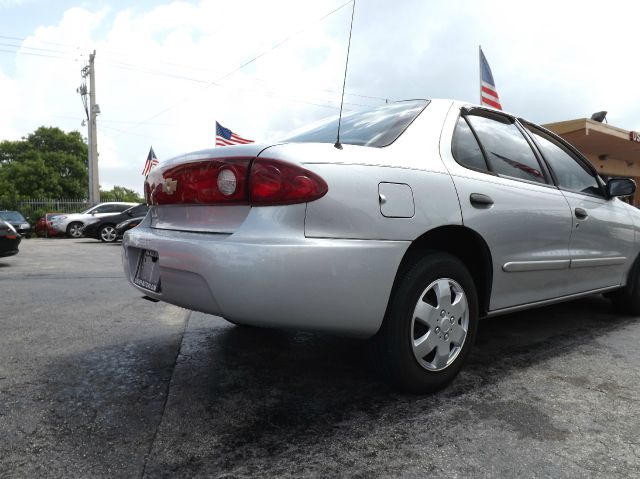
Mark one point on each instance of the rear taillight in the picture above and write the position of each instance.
(274, 182)
(206, 182)
(257, 182)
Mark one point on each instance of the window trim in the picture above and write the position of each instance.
(572, 152)
(486, 113)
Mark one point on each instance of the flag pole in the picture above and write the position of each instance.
(480, 71)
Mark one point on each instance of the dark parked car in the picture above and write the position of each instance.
(15, 219)
(44, 227)
(9, 239)
(104, 228)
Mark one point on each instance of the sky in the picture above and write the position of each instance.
(166, 71)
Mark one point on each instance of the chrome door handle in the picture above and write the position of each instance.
(478, 199)
(581, 214)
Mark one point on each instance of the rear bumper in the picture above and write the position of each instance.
(335, 285)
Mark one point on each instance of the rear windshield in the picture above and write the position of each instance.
(378, 127)
(11, 216)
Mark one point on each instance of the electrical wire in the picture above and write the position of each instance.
(227, 75)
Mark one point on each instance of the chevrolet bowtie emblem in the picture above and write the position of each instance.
(169, 186)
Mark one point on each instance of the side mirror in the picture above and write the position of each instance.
(620, 187)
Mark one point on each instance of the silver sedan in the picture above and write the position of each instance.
(425, 217)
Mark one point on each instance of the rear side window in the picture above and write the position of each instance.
(570, 173)
(465, 147)
(508, 152)
(119, 208)
(378, 127)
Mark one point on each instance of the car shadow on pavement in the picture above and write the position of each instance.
(249, 401)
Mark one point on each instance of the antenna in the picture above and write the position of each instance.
(344, 82)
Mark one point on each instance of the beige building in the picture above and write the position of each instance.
(613, 151)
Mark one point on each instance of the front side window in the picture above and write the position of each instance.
(508, 152)
(570, 173)
(102, 209)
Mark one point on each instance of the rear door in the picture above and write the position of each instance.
(602, 238)
(507, 196)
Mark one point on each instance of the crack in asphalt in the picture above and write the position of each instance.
(166, 397)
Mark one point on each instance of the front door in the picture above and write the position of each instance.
(602, 238)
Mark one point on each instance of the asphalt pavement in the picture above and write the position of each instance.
(96, 382)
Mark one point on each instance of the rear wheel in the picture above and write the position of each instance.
(430, 325)
(74, 229)
(108, 234)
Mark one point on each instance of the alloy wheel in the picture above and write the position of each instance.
(108, 234)
(75, 230)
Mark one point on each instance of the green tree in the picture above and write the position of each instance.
(120, 193)
(47, 163)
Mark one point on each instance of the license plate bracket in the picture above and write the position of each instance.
(148, 272)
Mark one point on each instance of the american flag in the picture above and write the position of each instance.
(224, 137)
(150, 163)
(488, 93)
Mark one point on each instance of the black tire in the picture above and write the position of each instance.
(107, 234)
(392, 348)
(627, 299)
(73, 229)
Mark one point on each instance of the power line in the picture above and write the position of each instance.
(215, 82)
(6, 37)
(259, 90)
(162, 73)
(39, 55)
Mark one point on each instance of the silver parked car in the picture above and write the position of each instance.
(426, 216)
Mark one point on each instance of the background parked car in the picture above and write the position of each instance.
(71, 224)
(121, 228)
(15, 219)
(104, 228)
(44, 228)
(9, 239)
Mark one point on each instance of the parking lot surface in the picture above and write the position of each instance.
(96, 382)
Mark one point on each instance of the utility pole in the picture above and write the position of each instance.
(92, 110)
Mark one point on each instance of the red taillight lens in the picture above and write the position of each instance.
(275, 182)
(258, 182)
(207, 182)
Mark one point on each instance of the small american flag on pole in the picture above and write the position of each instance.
(225, 137)
(488, 93)
(150, 163)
